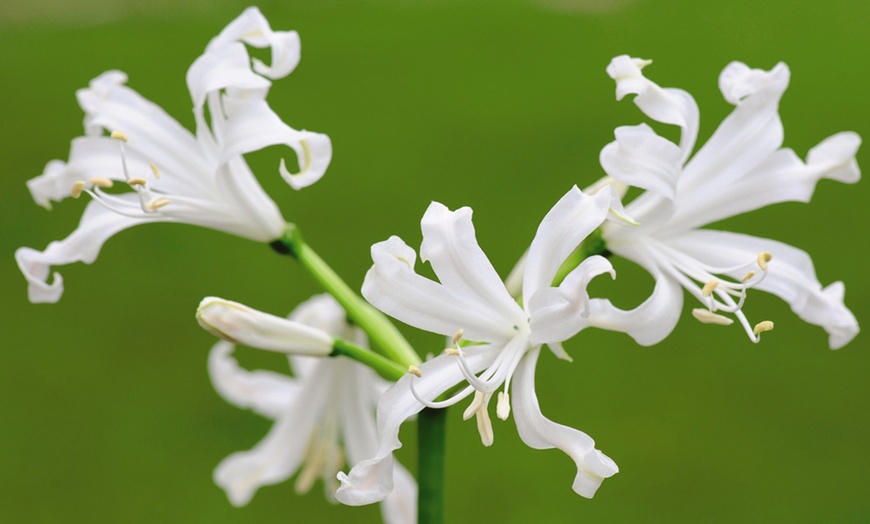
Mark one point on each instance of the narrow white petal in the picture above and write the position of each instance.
(539, 432)
(668, 105)
(564, 227)
(252, 125)
(240, 324)
(359, 394)
(392, 286)
(372, 479)
(742, 142)
(650, 322)
(154, 135)
(222, 67)
(558, 314)
(782, 177)
(265, 392)
(252, 28)
(400, 506)
(82, 245)
(280, 453)
(641, 158)
(450, 246)
(791, 276)
(257, 215)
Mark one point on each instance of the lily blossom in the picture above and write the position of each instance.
(470, 302)
(324, 415)
(173, 175)
(742, 167)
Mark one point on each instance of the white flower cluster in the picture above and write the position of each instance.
(334, 410)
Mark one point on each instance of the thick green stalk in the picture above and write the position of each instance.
(431, 432)
(381, 331)
(383, 366)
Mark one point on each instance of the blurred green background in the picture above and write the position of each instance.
(107, 411)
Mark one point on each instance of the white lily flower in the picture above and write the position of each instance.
(174, 175)
(324, 415)
(742, 167)
(471, 302)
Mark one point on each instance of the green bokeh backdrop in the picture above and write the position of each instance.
(108, 415)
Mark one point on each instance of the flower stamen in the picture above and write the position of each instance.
(706, 316)
(77, 189)
(101, 181)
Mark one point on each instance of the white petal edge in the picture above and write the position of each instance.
(565, 226)
(539, 432)
(265, 392)
(83, 245)
(372, 480)
(641, 158)
(666, 105)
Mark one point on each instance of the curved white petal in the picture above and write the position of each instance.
(395, 288)
(359, 397)
(265, 392)
(450, 246)
(400, 506)
(791, 276)
(558, 314)
(222, 67)
(153, 135)
(252, 28)
(539, 432)
(252, 125)
(668, 105)
(564, 227)
(82, 245)
(641, 158)
(240, 324)
(782, 177)
(257, 215)
(279, 454)
(372, 480)
(650, 322)
(743, 141)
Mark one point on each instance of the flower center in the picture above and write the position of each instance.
(483, 385)
(149, 202)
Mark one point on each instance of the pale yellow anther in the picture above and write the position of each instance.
(709, 287)
(77, 189)
(457, 336)
(137, 182)
(761, 327)
(414, 370)
(101, 181)
(452, 351)
(747, 276)
(708, 317)
(158, 203)
(119, 135)
(154, 169)
(763, 258)
(503, 407)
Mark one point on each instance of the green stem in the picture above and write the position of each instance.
(431, 431)
(381, 331)
(383, 366)
(593, 245)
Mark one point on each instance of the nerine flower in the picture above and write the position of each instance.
(173, 175)
(470, 302)
(742, 167)
(324, 414)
